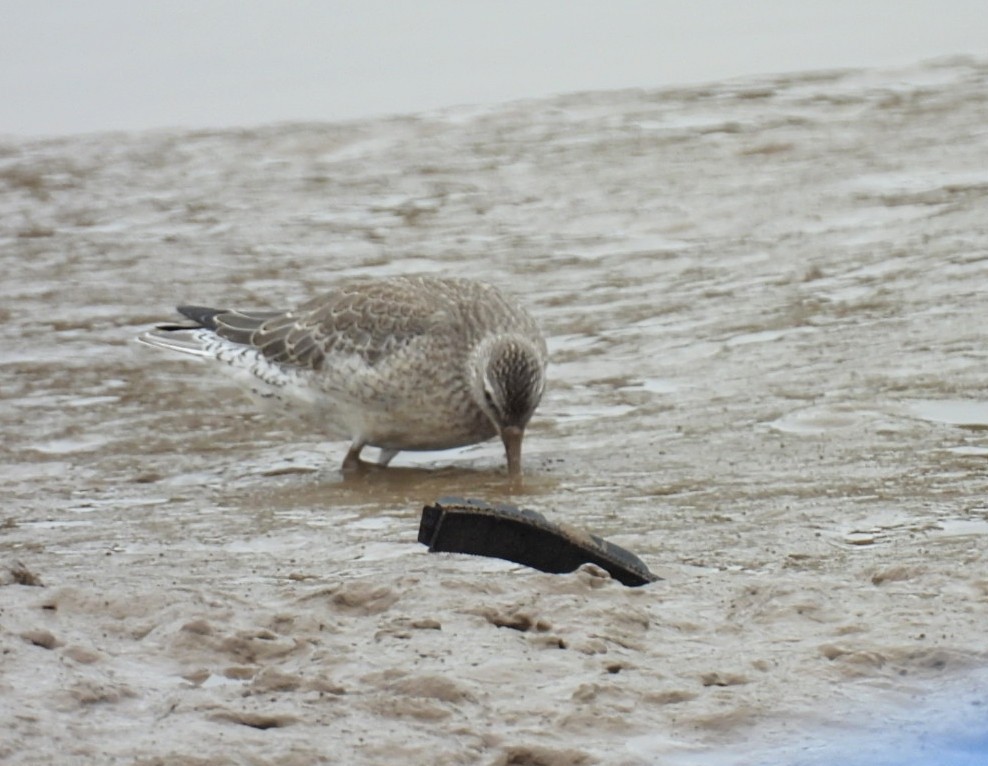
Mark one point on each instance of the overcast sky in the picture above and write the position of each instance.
(68, 66)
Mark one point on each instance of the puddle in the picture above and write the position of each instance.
(962, 527)
(765, 336)
(969, 450)
(55, 524)
(968, 413)
(68, 446)
(652, 386)
(819, 420)
(215, 681)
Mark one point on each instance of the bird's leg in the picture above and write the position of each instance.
(387, 455)
(352, 461)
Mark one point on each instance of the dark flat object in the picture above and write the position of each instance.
(456, 525)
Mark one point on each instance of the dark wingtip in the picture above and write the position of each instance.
(201, 315)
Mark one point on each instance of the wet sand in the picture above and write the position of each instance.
(765, 304)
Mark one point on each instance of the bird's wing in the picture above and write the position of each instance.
(369, 320)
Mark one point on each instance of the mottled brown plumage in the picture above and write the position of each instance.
(406, 363)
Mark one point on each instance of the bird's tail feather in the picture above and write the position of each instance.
(183, 339)
(203, 316)
(205, 324)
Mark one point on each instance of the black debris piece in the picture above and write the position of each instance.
(457, 525)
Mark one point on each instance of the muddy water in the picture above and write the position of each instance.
(765, 303)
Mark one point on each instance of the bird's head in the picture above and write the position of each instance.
(508, 381)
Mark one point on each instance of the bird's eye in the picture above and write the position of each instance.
(489, 398)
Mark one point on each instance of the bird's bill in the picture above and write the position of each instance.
(511, 436)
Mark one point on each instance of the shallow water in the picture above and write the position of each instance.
(765, 307)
